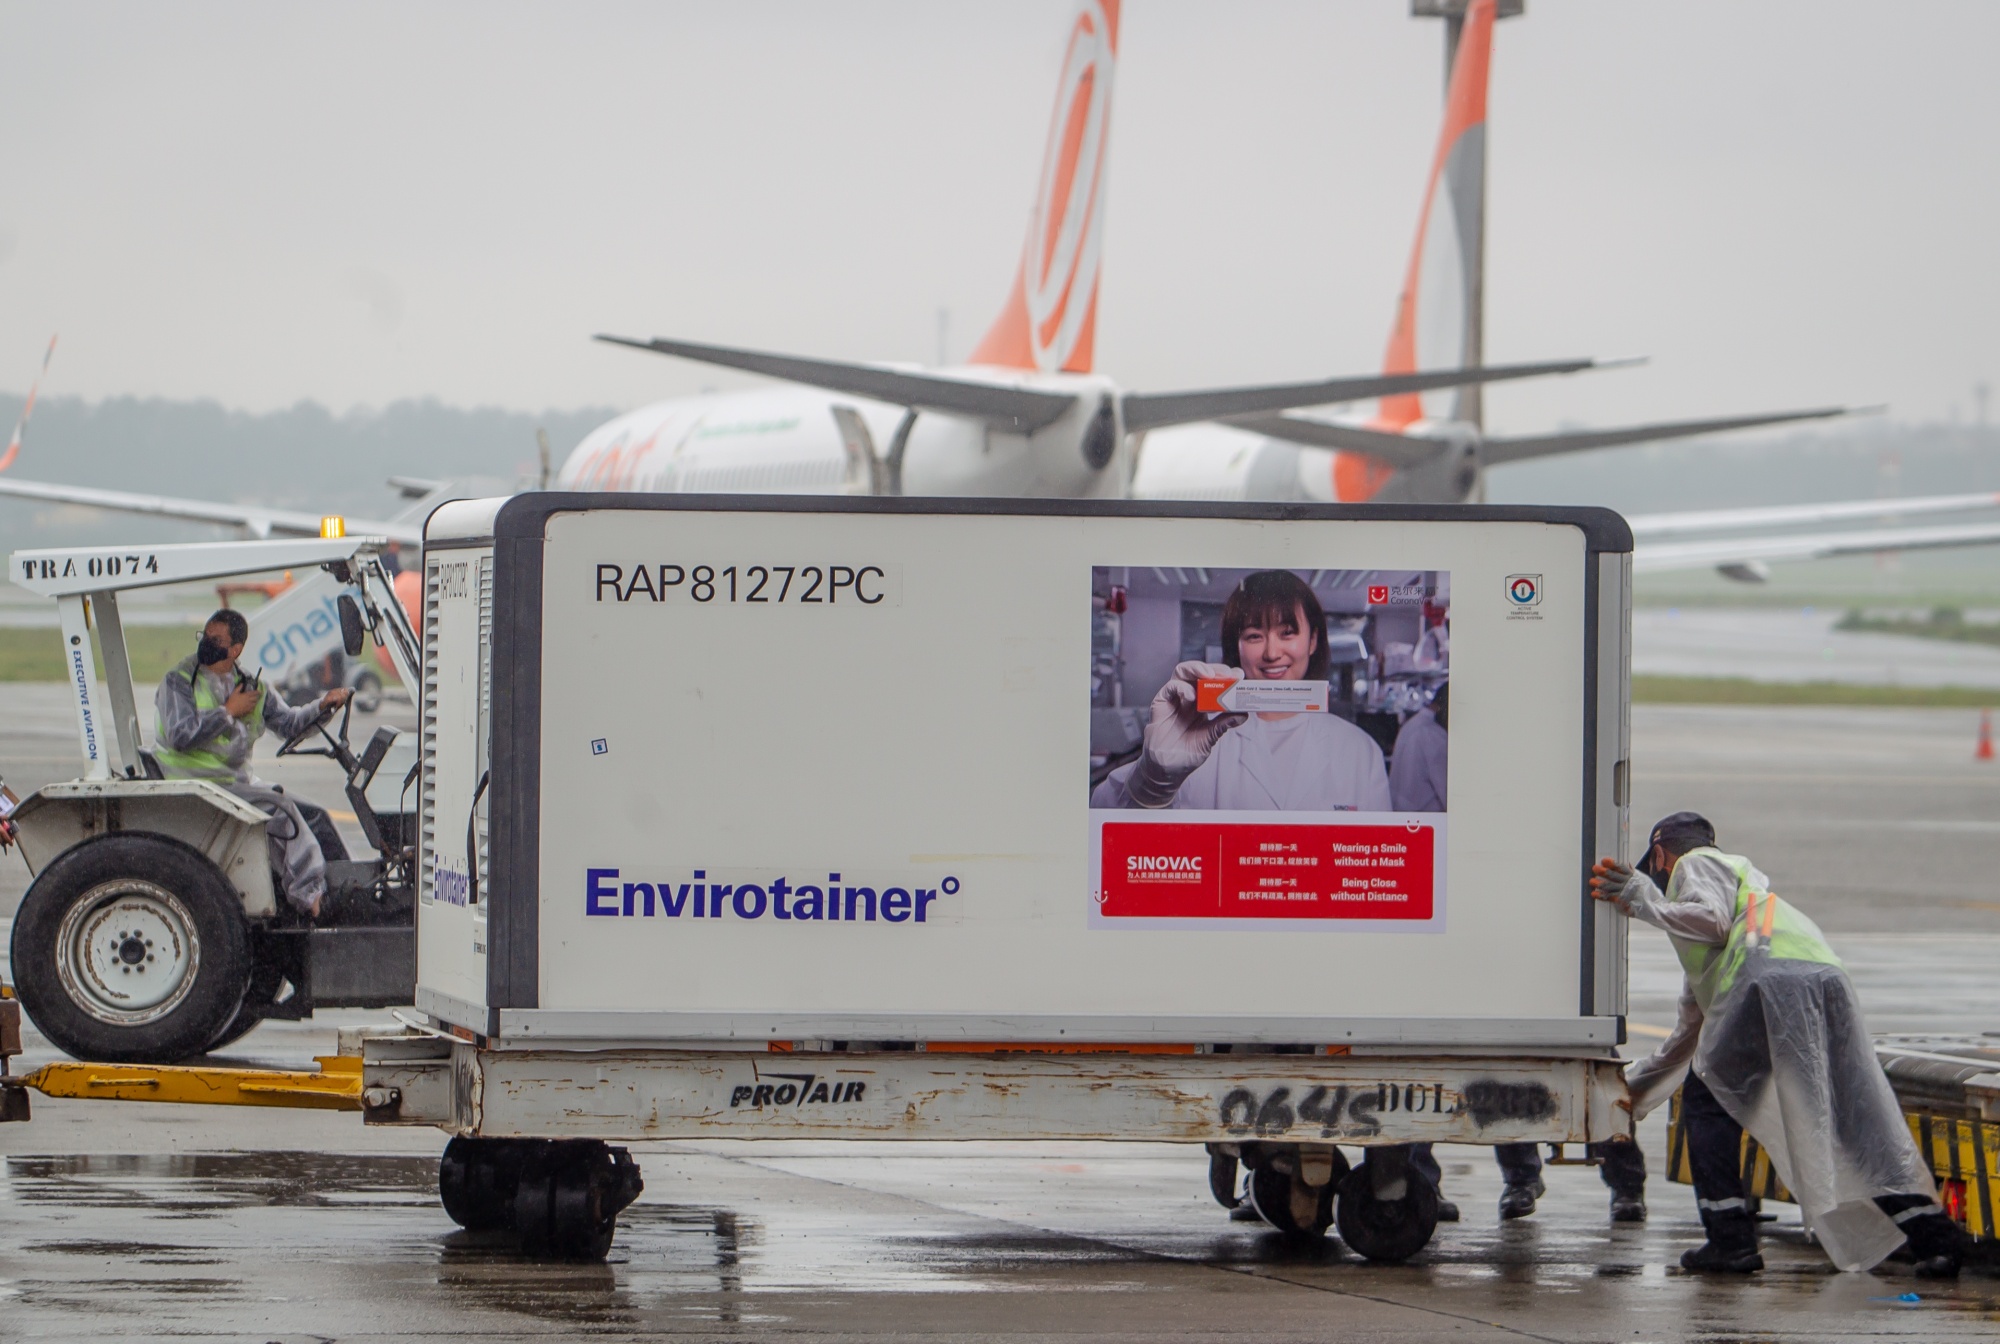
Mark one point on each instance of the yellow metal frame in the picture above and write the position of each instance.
(1759, 1180)
(336, 1086)
(1965, 1151)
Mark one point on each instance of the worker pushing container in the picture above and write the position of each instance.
(771, 818)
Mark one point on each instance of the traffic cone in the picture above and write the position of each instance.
(1984, 751)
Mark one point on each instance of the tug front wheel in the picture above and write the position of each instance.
(131, 949)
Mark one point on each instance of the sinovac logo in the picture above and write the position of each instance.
(1163, 868)
(779, 899)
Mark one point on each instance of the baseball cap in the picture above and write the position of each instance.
(1680, 832)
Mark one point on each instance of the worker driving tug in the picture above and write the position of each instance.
(210, 716)
(1273, 630)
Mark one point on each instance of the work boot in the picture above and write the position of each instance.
(1945, 1266)
(1935, 1247)
(1731, 1247)
(1628, 1208)
(1518, 1201)
(1713, 1257)
(1447, 1211)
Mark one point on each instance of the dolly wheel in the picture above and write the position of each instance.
(1302, 1212)
(1222, 1176)
(1388, 1229)
(570, 1194)
(477, 1181)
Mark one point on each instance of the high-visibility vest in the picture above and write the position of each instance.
(204, 760)
(1764, 926)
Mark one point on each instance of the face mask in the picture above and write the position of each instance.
(209, 652)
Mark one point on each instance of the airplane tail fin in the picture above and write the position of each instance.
(1438, 318)
(21, 425)
(1050, 320)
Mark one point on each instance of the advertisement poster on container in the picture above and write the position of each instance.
(1269, 745)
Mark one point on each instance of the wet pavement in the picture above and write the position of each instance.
(149, 1221)
(863, 1240)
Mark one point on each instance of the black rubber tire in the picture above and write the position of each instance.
(1222, 1177)
(367, 692)
(571, 1190)
(246, 1020)
(267, 978)
(1386, 1230)
(1271, 1196)
(478, 1180)
(218, 930)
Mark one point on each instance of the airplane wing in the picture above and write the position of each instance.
(258, 522)
(1019, 409)
(1745, 556)
(1409, 450)
(1024, 410)
(1398, 450)
(1501, 449)
(1156, 410)
(1656, 525)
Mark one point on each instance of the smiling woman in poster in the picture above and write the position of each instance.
(1274, 629)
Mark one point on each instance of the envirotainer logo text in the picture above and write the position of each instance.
(606, 895)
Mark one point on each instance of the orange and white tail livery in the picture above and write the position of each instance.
(1437, 315)
(1049, 324)
(1438, 322)
(13, 449)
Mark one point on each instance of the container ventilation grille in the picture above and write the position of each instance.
(485, 739)
(427, 787)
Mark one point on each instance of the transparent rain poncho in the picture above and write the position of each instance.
(1772, 1025)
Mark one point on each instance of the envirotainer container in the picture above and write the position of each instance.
(765, 817)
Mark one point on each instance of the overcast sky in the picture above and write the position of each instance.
(1782, 203)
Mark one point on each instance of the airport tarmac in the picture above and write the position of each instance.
(137, 1221)
(1799, 644)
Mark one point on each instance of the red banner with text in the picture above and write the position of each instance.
(1260, 870)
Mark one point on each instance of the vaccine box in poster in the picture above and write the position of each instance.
(729, 768)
